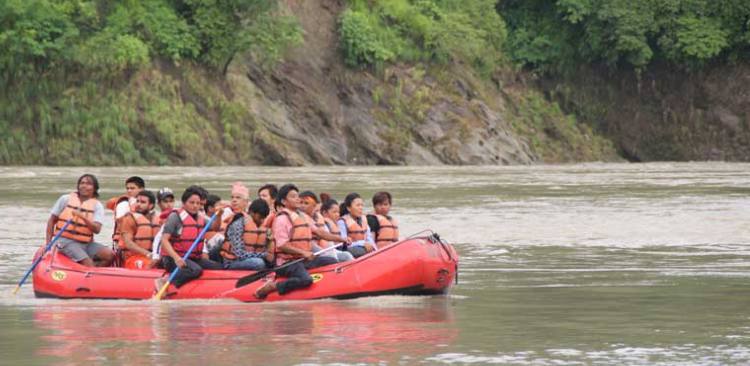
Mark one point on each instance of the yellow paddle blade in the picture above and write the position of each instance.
(16, 290)
(161, 292)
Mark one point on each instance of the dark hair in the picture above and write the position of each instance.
(325, 196)
(200, 191)
(309, 194)
(327, 205)
(149, 195)
(381, 197)
(259, 206)
(211, 200)
(283, 192)
(348, 202)
(93, 179)
(191, 191)
(137, 180)
(272, 190)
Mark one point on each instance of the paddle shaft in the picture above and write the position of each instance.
(39, 259)
(243, 281)
(161, 292)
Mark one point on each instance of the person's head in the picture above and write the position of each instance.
(145, 201)
(324, 197)
(165, 197)
(210, 205)
(288, 197)
(381, 201)
(353, 205)
(308, 202)
(268, 193)
(202, 193)
(133, 185)
(330, 209)
(240, 197)
(87, 186)
(259, 210)
(191, 200)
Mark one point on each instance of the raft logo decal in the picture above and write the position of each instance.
(316, 277)
(59, 275)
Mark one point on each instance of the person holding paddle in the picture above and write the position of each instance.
(86, 214)
(180, 231)
(293, 241)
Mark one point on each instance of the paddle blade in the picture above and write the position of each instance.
(161, 292)
(252, 278)
(18, 287)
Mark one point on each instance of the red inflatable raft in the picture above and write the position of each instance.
(418, 266)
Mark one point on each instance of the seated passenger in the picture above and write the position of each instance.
(353, 225)
(322, 238)
(330, 212)
(383, 226)
(215, 235)
(293, 241)
(247, 243)
(268, 193)
(125, 204)
(137, 232)
(87, 214)
(180, 231)
(165, 199)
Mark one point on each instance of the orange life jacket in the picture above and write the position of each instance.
(268, 222)
(388, 232)
(332, 227)
(146, 230)
(355, 231)
(255, 239)
(190, 230)
(112, 205)
(225, 221)
(320, 223)
(301, 236)
(77, 230)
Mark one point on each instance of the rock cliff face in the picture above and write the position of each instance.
(318, 111)
(665, 114)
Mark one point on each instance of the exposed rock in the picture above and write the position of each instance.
(319, 112)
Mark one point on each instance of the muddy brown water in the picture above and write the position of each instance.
(596, 264)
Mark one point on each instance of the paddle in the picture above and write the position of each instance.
(39, 259)
(244, 281)
(163, 289)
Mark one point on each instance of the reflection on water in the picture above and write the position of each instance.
(197, 333)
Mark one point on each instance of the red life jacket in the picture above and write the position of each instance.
(300, 237)
(163, 216)
(77, 230)
(388, 232)
(190, 230)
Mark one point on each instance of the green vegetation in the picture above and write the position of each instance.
(558, 35)
(81, 80)
(555, 136)
(439, 31)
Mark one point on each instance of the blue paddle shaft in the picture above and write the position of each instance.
(197, 240)
(46, 249)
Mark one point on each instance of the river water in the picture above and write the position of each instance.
(601, 264)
